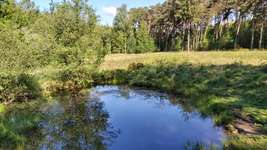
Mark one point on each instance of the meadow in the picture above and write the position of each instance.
(122, 61)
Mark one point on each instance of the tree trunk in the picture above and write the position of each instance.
(188, 38)
(125, 46)
(197, 39)
(261, 35)
(200, 39)
(217, 37)
(193, 41)
(237, 31)
(205, 35)
(183, 40)
(252, 35)
(221, 27)
(206, 32)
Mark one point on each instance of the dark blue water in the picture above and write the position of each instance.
(119, 118)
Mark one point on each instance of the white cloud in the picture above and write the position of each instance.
(109, 10)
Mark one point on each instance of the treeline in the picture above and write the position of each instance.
(67, 34)
(191, 25)
(70, 31)
(67, 38)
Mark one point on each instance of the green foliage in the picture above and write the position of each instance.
(226, 41)
(193, 25)
(76, 79)
(121, 19)
(130, 33)
(17, 87)
(143, 41)
(14, 53)
(118, 42)
(68, 56)
(69, 26)
(16, 125)
(251, 142)
(2, 108)
(120, 32)
(66, 37)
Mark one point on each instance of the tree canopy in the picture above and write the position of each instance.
(71, 31)
(199, 24)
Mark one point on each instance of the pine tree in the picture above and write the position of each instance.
(144, 43)
(120, 30)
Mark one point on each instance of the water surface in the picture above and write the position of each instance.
(120, 118)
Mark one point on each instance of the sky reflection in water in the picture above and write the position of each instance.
(119, 118)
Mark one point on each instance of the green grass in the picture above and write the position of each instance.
(250, 142)
(226, 85)
(235, 80)
(122, 61)
(221, 91)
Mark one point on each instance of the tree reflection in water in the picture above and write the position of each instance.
(157, 120)
(155, 98)
(143, 119)
(76, 124)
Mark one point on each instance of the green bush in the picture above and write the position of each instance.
(18, 87)
(75, 78)
(135, 66)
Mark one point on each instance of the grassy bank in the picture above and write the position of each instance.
(225, 91)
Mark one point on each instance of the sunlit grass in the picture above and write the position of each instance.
(122, 61)
(243, 142)
(2, 108)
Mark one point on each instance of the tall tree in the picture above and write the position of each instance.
(121, 30)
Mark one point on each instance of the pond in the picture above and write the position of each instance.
(120, 118)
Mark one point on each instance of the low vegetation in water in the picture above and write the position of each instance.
(18, 123)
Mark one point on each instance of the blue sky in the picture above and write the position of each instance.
(106, 9)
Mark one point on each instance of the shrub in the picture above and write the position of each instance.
(135, 66)
(18, 87)
(75, 79)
